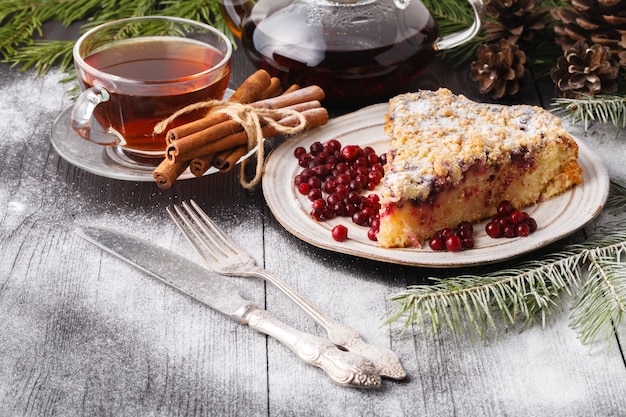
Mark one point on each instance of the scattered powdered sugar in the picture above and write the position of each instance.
(26, 95)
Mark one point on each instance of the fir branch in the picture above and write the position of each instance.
(602, 108)
(527, 293)
(21, 23)
(591, 273)
(602, 298)
(44, 55)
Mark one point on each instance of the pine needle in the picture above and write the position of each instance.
(601, 108)
(21, 24)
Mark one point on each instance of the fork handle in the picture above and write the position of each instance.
(344, 368)
(386, 361)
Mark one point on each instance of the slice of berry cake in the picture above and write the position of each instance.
(452, 160)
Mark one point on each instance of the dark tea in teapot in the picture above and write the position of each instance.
(356, 50)
(353, 56)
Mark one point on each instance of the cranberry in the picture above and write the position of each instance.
(321, 171)
(343, 179)
(437, 243)
(453, 240)
(522, 230)
(360, 218)
(319, 203)
(317, 214)
(350, 152)
(342, 189)
(465, 226)
(334, 199)
(304, 160)
(340, 209)
(468, 242)
(454, 243)
(314, 194)
(329, 213)
(304, 188)
(517, 217)
(299, 151)
(316, 148)
(315, 183)
(340, 233)
(510, 230)
(505, 208)
(353, 198)
(494, 229)
(372, 158)
(334, 145)
(447, 232)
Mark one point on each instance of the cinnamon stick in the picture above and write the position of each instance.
(291, 89)
(249, 91)
(166, 173)
(253, 88)
(201, 164)
(273, 90)
(301, 95)
(225, 161)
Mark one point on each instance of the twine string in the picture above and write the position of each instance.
(252, 120)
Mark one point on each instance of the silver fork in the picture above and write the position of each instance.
(225, 257)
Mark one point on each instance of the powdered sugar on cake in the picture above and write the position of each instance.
(437, 135)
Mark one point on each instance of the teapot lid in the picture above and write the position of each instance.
(401, 4)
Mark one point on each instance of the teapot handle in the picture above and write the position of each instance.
(458, 38)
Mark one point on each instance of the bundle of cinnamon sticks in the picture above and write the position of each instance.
(220, 138)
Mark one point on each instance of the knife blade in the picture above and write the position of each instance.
(217, 292)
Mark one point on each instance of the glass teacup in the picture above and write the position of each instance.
(136, 72)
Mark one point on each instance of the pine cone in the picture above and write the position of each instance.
(514, 20)
(600, 22)
(499, 69)
(585, 70)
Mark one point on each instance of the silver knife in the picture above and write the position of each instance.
(344, 368)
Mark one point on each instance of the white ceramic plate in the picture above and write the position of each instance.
(557, 217)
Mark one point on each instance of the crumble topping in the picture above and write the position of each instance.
(437, 135)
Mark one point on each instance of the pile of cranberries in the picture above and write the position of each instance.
(510, 222)
(453, 240)
(335, 179)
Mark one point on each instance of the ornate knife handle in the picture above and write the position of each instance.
(344, 368)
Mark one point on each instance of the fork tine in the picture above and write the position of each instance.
(209, 227)
(185, 222)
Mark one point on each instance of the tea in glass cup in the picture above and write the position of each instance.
(136, 72)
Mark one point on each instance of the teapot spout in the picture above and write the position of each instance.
(234, 12)
(458, 38)
(401, 4)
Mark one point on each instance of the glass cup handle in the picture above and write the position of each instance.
(83, 111)
(459, 38)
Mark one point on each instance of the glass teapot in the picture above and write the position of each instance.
(356, 50)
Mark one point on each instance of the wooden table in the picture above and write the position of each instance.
(84, 334)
